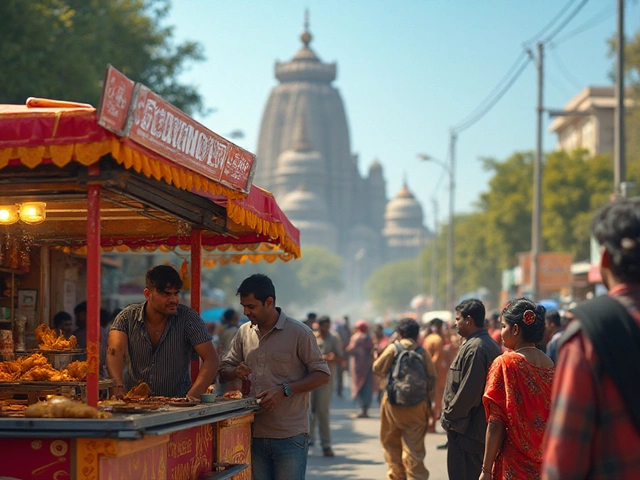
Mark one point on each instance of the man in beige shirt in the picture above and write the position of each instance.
(281, 357)
(321, 398)
(403, 428)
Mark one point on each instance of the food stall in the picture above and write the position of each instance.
(136, 174)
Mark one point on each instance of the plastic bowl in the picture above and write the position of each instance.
(208, 397)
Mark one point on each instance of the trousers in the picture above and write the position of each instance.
(402, 432)
(320, 401)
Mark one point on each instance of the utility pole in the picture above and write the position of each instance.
(434, 256)
(619, 168)
(451, 296)
(536, 228)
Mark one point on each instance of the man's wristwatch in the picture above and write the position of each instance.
(287, 390)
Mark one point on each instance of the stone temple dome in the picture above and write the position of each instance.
(404, 229)
(301, 165)
(309, 214)
(301, 203)
(404, 210)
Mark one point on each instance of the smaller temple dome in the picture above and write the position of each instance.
(404, 208)
(375, 167)
(303, 204)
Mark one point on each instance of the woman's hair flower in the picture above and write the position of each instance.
(529, 317)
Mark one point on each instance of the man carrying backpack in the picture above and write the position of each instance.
(405, 411)
(594, 425)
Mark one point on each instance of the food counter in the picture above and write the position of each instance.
(169, 443)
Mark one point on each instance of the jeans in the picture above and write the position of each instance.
(280, 458)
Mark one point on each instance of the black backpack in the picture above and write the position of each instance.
(616, 340)
(407, 383)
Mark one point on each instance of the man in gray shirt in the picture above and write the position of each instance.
(281, 358)
(463, 416)
(161, 337)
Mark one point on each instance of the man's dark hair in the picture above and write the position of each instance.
(473, 308)
(260, 285)
(311, 316)
(81, 307)
(60, 317)
(105, 317)
(408, 328)
(616, 226)
(228, 315)
(436, 323)
(553, 316)
(324, 319)
(513, 314)
(162, 277)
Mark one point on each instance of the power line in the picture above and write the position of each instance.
(468, 123)
(566, 21)
(564, 70)
(503, 80)
(550, 24)
(595, 20)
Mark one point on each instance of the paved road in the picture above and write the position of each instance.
(356, 443)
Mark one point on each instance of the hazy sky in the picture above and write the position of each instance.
(408, 71)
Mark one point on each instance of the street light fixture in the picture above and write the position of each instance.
(449, 168)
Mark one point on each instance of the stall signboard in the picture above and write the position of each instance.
(554, 270)
(117, 93)
(161, 127)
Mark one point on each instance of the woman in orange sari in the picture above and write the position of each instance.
(517, 397)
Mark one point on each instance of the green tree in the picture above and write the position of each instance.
(298, 283)
(392, 286)
(59, 49)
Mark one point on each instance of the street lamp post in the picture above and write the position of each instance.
(450, 169)
(434, 256)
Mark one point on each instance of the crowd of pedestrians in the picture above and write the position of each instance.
(522, 393)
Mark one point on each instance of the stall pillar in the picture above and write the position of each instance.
(93, 286)
(196, 291)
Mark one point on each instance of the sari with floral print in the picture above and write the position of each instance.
(518, 394)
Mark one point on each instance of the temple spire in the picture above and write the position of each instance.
(306, 35)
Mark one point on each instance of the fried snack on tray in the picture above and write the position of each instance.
(9, 371)
(33, 360)
(77, 370)
(62, 407)
(142, 391)
(45, 373)
(233, 394)
(48, 339)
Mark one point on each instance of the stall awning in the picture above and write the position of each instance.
(48, 145)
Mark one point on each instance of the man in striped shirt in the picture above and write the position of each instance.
(281, 358)
(161, 337)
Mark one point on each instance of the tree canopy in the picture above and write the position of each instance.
(299, 284)
(392, 286)
(59, 49)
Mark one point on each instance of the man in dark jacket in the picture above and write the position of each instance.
(463, 415)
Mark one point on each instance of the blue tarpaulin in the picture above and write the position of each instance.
(213, 315)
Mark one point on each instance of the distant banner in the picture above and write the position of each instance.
(554, 270)
(132, 110)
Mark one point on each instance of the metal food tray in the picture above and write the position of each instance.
(105, 383)
(75, 351)
(167, 420)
